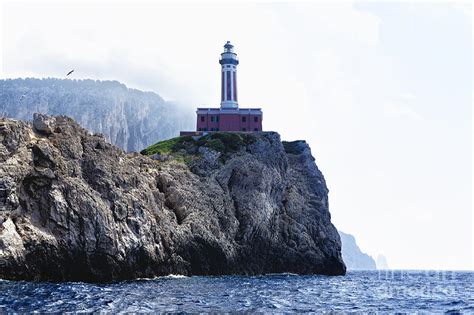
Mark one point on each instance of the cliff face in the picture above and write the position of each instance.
(129, 118)
(74, 207)
(354, 258)
(382, 262)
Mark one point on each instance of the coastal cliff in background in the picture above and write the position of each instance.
(74, 207)
(353, 257)
(382, 262)
(129, 118)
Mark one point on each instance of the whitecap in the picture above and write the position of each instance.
(173, 276)
(170, 276)
(281, 274)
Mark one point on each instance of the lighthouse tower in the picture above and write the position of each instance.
(228, 117)
(229, 62)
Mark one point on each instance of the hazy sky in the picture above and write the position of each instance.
(382, 93)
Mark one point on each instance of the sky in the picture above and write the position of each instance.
(381, 91)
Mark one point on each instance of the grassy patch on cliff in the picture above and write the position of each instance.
(167, 146)
(226, 142)
(223, 142)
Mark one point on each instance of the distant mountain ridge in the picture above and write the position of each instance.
(129, 118)
(353, 257)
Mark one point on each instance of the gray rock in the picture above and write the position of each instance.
(354, 258)
(160, 157)
(87, 211)
(43, 124)
(8, 197)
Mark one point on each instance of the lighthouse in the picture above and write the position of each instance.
(229, 62)
(229, 116)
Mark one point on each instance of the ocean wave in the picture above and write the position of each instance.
(173, 276)
(364, 291)
(281, 274)
(170, 276)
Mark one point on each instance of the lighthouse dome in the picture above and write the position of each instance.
(229, 47)
(229, 56)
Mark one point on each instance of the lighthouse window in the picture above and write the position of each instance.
(222, 87)
(243, 129)
(255, 129)
(212, 118)
(255, 119)
(234, 81)
(217, 118)
(228, 86)
(202, 118)
(244, 119)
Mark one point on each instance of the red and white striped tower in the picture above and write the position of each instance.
(229, 62)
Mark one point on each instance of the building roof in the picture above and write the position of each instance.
(218, 110)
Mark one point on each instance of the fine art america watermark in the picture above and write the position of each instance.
(416, 284)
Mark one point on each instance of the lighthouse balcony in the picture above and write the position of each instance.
(228, 61)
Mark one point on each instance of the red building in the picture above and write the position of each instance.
(228, 117)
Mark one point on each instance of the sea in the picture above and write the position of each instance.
(398, 291)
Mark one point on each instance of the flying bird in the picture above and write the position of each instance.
(69, 72)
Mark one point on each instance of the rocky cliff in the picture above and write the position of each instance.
(382, 262)
(74, 207)
(353, 256)
(129, 118)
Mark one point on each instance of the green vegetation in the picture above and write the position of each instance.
(184, 159)
(226, 142)
(168, 146)
(183, 148)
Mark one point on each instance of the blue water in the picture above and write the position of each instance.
(358, 291)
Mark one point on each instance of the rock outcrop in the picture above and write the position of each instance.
(74, 207)
(353, 256)
(382, 262)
